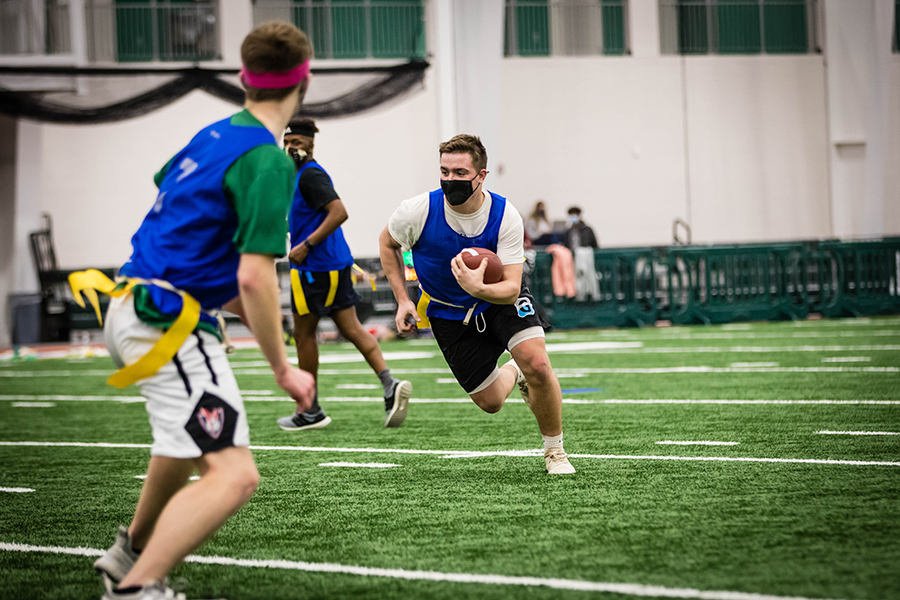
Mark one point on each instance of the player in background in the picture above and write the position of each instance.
(218, 224)
(474, 322)
(321, 283)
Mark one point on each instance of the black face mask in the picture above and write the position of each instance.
(457, 191)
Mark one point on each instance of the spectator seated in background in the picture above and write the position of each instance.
(537, 226)
(579, 234)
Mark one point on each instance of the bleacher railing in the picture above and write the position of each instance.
(727, 283)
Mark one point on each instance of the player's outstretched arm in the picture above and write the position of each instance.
(392, 263)
(258, 285)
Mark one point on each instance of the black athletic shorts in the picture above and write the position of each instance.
(320, 292)
(472, 350)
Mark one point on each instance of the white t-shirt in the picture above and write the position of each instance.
(408, 221)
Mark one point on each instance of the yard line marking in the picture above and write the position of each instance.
(445, 380)
(633, 589)
(670, 442)
(33, 404)
(364, 465)
(475, 454)
(16, 490)
(808, 461)
(61, 398)
(567, 584)
(859, 432)
(466, 400)
(357, 386)
(257, 392)
(846, 359)
(744, 365)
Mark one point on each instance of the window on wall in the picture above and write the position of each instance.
(565, 27)
(737, 26)
(151, 30)
(348, 29)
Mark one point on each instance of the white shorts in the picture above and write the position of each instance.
(194, 403)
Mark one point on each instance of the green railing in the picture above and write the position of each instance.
(737, 26)
(721, 284)
(355, 29)
(570, 28)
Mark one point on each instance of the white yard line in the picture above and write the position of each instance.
(471, 454)
(357, 386)
(847, 359)
(466, 400)
(748, 365)
(674, 443)
(33, 404)
(370, 465)
(859, 432)
(633, 589)
(16, 490)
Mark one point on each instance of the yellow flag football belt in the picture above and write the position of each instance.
(91, 281)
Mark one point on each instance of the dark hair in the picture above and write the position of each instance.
(302, 126)
(467, 144)
(274, 47)
(574, 210)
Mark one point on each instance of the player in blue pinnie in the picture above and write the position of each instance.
(473, 322)
(218, 223)
(321, 284)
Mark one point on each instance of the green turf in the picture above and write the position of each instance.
(789, 529)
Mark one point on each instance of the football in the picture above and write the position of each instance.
(473, 257)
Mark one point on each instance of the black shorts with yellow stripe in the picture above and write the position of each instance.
(321, 292)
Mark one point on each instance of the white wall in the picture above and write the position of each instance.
(602, 133)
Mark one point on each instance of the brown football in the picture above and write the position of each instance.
(473, 257)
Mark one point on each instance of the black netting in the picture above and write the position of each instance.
(97, 95)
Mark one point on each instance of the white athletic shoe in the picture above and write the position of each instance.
(557, 462)
(153, 591)
(118, 560)
(395, 404)
(520, 381)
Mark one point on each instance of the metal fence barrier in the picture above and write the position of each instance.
(354, 28)
(726, 283)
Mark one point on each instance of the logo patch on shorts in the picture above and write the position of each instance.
(525, 307)
(212, 421)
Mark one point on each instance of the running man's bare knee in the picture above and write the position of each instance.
(234, 467)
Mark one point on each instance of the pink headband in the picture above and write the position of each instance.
(279, 79)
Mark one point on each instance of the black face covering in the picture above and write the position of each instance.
(457, 191)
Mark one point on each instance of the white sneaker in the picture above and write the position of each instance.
(153, 591)
(520, 381)
(118, 560)
(396, 404)
(557, 462)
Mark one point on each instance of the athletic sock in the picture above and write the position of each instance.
(315, 409)
(553, 441)
(387, 381)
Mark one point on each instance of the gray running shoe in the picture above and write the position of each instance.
(119, 559)
(395, 404)
(302, 421)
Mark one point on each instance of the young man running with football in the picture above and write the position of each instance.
(210, 241)
(321, 284)
(474, 322)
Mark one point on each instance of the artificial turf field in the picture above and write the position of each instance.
(775, 508)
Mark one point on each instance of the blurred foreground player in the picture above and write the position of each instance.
(321, 283)
(474, 322)
(217, 225)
